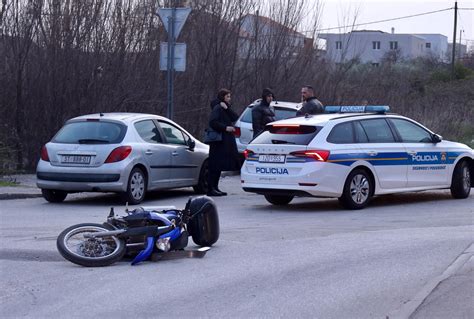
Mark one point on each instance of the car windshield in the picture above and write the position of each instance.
(281, 113)
(91, 132)
(290, 134)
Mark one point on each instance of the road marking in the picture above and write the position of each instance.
(406, 310)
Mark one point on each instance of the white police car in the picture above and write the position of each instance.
(353, 156)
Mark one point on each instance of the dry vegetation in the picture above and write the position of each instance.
(63, 58)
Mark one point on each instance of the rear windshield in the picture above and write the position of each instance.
(298, 135)
(91, 132)
(280, 114)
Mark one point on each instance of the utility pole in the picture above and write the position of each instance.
(454, 38)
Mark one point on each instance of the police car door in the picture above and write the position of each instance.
(380, 149)
(427, 162)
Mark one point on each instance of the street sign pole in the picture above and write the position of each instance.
(173, 20)
(170, 71)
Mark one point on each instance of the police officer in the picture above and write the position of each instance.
(311, 105)
(263, 113)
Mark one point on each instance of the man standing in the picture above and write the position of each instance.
(263, 113)
(311, 105)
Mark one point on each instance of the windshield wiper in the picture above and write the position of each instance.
(92, 141)
(281, 142)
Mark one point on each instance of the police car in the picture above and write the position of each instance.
(353, 153)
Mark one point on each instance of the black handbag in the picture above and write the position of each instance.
(212, 136)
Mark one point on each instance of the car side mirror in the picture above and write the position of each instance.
(191, 144)
(435, 138)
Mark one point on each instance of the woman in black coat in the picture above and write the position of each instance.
(223, 155)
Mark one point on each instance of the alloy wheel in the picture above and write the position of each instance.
(359, 189)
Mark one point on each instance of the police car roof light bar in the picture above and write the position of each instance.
(357, 109)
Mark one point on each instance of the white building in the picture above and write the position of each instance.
(372, 46)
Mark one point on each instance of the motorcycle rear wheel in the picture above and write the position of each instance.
(90, 252)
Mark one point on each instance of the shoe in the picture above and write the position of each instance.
(222, 193)
(214, 192)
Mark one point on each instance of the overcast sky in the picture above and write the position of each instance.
(336, 13)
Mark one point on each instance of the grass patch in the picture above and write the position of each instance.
(7, 184)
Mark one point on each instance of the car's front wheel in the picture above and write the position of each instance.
(279, 199)
(53, 196)
(358, 190)
(461, 182)
(136, 187)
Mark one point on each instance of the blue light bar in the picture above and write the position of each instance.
(357, 109)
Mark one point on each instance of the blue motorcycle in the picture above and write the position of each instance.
(144, 232)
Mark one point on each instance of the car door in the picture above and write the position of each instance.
(245, 124)
(155, 152)
(185, 164)
(380, 148)
(427, 161)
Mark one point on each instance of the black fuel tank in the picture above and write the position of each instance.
(204, 224)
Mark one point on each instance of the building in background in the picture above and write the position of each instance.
(263, 38)
(368, 46)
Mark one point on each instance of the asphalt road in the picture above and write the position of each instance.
(310, 259)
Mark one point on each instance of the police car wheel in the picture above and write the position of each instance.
(358, 190)
(461, 182)
(279, 199)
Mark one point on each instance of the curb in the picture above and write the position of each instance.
(9, 196)
(411, 307)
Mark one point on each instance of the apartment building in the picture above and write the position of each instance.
(370, 46)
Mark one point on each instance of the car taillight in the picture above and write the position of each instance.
(237, 131)
(44, 154)
(319, 155)
(119, 154)
(247, 153)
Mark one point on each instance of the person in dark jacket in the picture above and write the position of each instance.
(263, 113)
(223, 155)
(311, 105)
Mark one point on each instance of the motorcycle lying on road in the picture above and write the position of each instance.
(143, 232)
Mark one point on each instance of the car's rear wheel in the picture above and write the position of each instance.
(202, 187)
(53, 196)
(461, 182)
(136, 187)
(358, 190)
(279, 199)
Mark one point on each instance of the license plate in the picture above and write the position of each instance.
(76, 159)
(271, 158)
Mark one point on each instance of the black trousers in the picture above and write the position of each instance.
(213, 179)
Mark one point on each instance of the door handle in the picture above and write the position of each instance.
(148, 152)
(175, 153)
(411, 152)
(372, 153)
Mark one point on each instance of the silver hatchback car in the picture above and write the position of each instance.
(127, 153)
(244, 131)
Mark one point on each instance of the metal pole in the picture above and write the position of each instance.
(454, 38)
(168, 71)
(172, 44)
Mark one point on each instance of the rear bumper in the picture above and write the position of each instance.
(285, 192)
(83, 179)
(78, 177)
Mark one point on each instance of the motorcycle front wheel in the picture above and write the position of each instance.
(90, 252)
